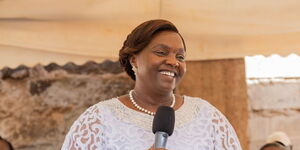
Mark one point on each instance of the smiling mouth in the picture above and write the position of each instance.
(168, 73)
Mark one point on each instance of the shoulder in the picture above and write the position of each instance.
(194, 108)
(199, 103)
(203, 108)
(204, 105)
(98, 107)
(222, 130)
(94, 113)
(88, 123)
(196, 100)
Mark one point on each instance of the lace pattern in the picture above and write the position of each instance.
(109, 125)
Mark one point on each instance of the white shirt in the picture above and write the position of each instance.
(110, 125)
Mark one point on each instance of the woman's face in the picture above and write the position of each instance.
(161, 64)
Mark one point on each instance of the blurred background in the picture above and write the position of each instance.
(57, 58)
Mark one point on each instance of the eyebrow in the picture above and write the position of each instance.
(167, 47)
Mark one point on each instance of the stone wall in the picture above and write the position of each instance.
(39, 104)
(274, 106)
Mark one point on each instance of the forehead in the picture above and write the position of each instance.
(168, 38)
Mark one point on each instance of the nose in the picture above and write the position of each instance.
(172, 61)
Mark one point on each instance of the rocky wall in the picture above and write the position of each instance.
(39, 104)
(274, 105)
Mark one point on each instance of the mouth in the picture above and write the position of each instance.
(168, 73)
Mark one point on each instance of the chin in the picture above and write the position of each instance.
(168, 88)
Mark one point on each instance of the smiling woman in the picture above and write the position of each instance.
(161, 64)
(154, 56)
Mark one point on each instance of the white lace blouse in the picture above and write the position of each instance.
(110, 125)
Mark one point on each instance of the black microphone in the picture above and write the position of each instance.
(163, 125)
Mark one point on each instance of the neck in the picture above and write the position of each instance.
(151, 99)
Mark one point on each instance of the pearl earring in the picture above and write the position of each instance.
(134, 69)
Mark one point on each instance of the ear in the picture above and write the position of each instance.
(133, 61)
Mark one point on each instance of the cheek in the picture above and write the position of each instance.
(183, 69)
(146, 65)
(152, 62)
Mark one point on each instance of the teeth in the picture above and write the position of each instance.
(172, 74)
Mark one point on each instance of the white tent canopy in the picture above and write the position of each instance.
(35, 31)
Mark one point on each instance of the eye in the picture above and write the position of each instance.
(161, 53)
(180, 57)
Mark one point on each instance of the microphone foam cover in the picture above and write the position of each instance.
(164, 120)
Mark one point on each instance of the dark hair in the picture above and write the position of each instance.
(139, 38)
(8, 143)
(276, 144)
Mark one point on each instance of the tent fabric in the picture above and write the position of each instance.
(34, 31)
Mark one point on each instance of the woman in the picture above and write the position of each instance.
(154, 56)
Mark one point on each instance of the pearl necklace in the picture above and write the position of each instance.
(143, 109)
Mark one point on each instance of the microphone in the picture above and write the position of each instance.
(163, 125)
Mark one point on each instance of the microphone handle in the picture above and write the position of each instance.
(161, 139)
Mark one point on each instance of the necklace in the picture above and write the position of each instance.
(145, 110)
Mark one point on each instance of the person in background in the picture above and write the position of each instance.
(277, 141)
(153, 55)
(5, 145)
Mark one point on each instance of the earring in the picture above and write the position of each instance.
(134, 69)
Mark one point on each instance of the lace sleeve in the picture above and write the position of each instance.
(85, 132)
(225, 137)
